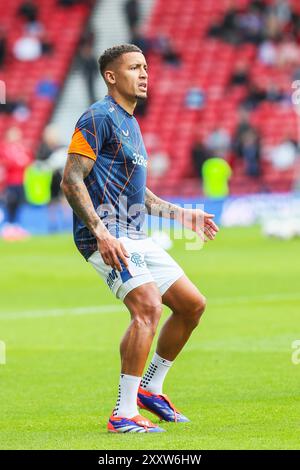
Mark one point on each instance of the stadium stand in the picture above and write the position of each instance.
(209, 63)
(63, 26)
(205, 62)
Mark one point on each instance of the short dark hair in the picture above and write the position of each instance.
(113, 53)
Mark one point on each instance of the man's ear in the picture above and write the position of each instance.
(110, 77)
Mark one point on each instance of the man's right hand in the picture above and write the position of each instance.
(112, 251)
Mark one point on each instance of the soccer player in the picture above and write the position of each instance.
(105, 183)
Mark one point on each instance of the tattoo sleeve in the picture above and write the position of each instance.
(77, 168)
(159, 207)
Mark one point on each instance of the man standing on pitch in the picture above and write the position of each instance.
(105, 183)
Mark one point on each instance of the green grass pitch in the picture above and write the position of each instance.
(235, 378)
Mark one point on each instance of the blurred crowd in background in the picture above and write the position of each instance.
(273, 28)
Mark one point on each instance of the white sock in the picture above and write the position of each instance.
(153, 379)
(126, 403)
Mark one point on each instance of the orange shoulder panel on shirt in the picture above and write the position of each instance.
(80, 145)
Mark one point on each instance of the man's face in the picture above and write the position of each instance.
(131, 78)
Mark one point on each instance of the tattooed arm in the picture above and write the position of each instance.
(76, 170)
(161, 208)
(194, 219)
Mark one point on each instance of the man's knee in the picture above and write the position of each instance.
(146, 315)
(145, 306)
(195, 310)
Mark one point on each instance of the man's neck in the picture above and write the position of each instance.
(126, 104)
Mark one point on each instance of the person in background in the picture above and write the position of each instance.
(139, 39)
(199, 154)
(29, 11)
(14, 157)
(250, 150)
(284, 155)
(216, 174)
(267, 53)
(50, 143)
(218, 142)
(51, 156)
(242, 128)
(27, 48)
(132, 14)
(164, 46)
(274, 94)
(194, 98)
(256, 94)
(240, 74)
(89, 67)
(47, 88)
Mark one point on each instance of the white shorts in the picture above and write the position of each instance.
(148, 262)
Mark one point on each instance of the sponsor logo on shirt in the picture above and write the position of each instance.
(139, 160)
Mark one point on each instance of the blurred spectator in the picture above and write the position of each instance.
(194, 98)
(21, 111)
(260, 5)
(216, 174)
(240, 74)
(296, 177)
(272, 28)
(296, 74)
(34, 29)
(53, 156)
(56, 163)
(163, 46)
(296, 27)
(27, 48)
(89, 67)
(284, 155)
(18, 107)
(283, 12)
(267, 53)
(250, 152)
(288, 53)
(47, 88)
(242, 127)
(218, 142)
(227, 29)
(37, 184)
(141, 41)
(3, 46)
(273, 93)
(199, 154)
(159, 163)
(254, 97)
(251, 25)
(29, 11)
(215, 29)
(50, 142)
(15, 158)
(46, 43)
(87, 38)
(132, 13)
(159, 160)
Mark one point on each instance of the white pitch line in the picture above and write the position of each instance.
(117, 308)
(58, 312)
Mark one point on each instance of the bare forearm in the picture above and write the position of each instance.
(77, 168)
(80, 201)
(161, 208)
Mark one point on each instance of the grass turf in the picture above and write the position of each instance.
(234, 379)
